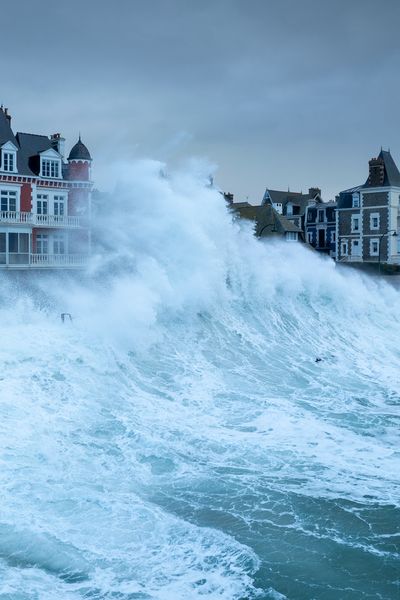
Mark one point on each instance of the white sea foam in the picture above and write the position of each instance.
(145, 446)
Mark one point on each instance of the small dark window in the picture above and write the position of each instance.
(13, 242)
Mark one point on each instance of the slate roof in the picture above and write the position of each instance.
(391, 177)
(30, 145)
(296, 198)
(267, 219)
(79, 151)
(392, 174)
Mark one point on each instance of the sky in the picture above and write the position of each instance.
(274, 93)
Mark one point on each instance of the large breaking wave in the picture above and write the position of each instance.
(178, 439)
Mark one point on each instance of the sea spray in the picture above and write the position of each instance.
(178, 439)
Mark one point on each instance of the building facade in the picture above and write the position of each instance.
(292, 205)
(45, 200)
(320, 226)
(267, 221)
(368, 216)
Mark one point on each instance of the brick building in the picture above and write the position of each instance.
(45, 200)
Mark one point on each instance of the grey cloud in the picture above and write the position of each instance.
(276, 92)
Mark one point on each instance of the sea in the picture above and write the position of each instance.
(178, 438)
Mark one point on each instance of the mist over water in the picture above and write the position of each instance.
(178, 439)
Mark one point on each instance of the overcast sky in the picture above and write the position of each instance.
(277, 93)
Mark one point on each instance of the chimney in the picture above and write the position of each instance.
(376, 172)
(58, 143)
(8, 117)
(228, 197)
(313, 191)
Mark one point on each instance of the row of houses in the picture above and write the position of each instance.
(46, 205)
(362, 225)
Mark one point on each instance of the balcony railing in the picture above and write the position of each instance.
(27, 261)
(58, 260)
(9, 216)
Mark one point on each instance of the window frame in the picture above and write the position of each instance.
(354, 218)
(50, 168)
(8, 149)
(355, 200)
(371, 242)
(373, 216)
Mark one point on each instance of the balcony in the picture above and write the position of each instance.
(32, 261)
(23, 218)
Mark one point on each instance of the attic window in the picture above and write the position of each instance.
(9, 161)
(50, 168)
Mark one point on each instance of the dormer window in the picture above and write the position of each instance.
(8, 158)
(50, 168)
(9, 161)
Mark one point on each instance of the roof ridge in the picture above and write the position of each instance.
(35, 134)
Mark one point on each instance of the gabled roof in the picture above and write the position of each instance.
(295, 198)
(267, 219)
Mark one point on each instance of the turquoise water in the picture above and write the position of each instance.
(178, 439)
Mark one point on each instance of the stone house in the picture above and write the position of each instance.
(320, 226)
(368, 216)
(267, 221)
(292, 205)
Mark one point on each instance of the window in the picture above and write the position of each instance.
(289, 209)
(59, 206)
(355, 248)
(18, 248)
(355, 223)
(3, 257)
(291, 236)
(42, 204)
(50, 168)
(374, 221)
(42, 244)
(8, 157)
(321, 216)
(344, 248)
(58, 244)
(310, 237)
(9, 161)
(18, 242)
(8, 200)
(309, 216)
(356, 200)
(374, 247)
(333, 236)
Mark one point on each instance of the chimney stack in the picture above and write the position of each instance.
(376, 172)
(313, 191)
(58, 143)
(8, 117)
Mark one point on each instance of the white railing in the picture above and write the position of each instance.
(58, 260)
(8, 216)
(56, 221)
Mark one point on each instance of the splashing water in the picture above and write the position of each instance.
(178, 439)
